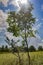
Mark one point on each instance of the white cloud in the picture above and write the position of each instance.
(10, 36)
(5, 2)
(3, 17)
(37, 26)
(35, 41)
(21, 4)
(42, 40)
(41, 44)
(37, 19)
(14, 2)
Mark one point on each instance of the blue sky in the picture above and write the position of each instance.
(38, 12)
(8, 5)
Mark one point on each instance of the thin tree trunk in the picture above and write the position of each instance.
(19, 58)
(28, 55)
(28, 52)
(27, 45)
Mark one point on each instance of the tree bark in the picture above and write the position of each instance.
(27, 45)
(28, 52)
(19, 58)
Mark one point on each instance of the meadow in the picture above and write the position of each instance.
(11, 59)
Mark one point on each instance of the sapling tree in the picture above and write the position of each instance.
(13, 45)
(25, 21)
(20, 23)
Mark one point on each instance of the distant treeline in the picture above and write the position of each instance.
(9, 49)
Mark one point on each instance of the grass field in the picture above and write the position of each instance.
(11, 59)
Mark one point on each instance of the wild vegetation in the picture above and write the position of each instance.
(31, 49)
(11, 59)
(20, 25)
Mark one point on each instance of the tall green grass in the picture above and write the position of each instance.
(11, 59)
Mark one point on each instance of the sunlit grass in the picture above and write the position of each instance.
(11, 59)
